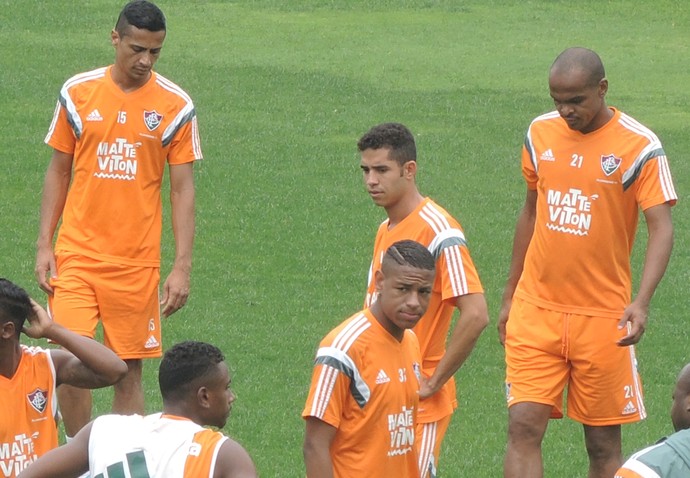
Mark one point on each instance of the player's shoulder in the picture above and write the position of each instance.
(348, 332)
(545, 120)
(172, 88)
(85, 78)
(636, 128)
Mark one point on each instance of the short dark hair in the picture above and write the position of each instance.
(15, 305)
(140, 14)
(581, 59)
(394, 136)
(410, 253)
(184, 363)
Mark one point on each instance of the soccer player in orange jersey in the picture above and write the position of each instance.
(568, 318)
(29, 375)
(670, 457)
(362, 404)
(389, 164)
(113, 132)
(195, 385)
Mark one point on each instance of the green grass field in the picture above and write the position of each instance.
(283, 91)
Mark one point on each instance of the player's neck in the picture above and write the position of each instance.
(403, 208)
(10, 356)
(125, 83)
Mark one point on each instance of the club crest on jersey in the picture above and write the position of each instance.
(38, 399)
(152, 119)
(609, 164)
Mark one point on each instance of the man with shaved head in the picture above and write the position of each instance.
(670, 457)
(569, 319)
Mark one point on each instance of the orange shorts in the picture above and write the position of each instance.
(428, 438)
(124, 298)
(547, 351)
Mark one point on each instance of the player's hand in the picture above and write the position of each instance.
(45, 268)
(425, 389)
(502, 321)
(39, 322)
(636, 315)
(175, 292)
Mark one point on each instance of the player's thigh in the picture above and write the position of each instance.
(605, 387)
(130, 311)
(73, 303)
(536, 370)
(429, 437)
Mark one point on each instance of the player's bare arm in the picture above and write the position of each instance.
(474, 317)
(71, 459)
(55, 188)
(659, 246)
(176, 286)
(317, 443)
(234, 462)
(88, 364)
(523, 235)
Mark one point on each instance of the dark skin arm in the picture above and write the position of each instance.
(474, 317)
(176, 287)
(67, 461)
(85, 362)
(523, 235)
(233, 461)
(659, 246)
(317, 444)
(55, 186)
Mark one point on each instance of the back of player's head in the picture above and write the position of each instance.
(408, 253)
(580, 59)
(393, 136)
(140, 14)
(185, 364)
(680, 411)
(15, 305)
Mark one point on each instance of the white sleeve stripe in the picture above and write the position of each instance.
(324, 389)
(456, 271)
(51, 129)
(665, 179)
(349, 334)
(635, 126)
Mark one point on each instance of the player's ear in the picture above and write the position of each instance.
(114, 37)
(410, 169)
(202, 397)
(378, 280)
(8, 331)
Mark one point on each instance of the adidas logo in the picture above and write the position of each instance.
(629, 408)
(151, 343)
(382, 377)
(547, 156)
(94, 116)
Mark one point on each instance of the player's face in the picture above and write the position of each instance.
(220, 396)
(136, 52)
(403, 297)
(579, 103)
(385, 179)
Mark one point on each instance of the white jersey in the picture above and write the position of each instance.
(152, 446)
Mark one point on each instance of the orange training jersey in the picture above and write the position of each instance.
(156, 446)
(365, 383)
(120, 143)
(430, 225)
(589, 188)
(28, 407)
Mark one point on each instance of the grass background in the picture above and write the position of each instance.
(283, 91)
